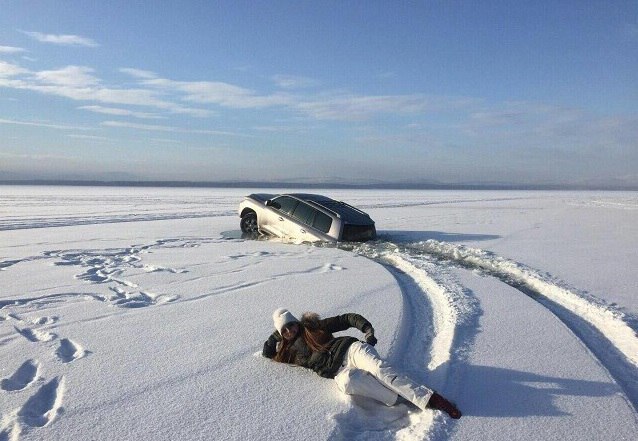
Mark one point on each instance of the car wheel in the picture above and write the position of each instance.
(248, 223)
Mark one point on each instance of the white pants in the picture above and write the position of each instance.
(365, 373)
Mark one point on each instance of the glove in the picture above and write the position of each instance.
(370, 338)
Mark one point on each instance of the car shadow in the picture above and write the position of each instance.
(403, 236)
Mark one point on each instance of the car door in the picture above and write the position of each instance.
(303, 231)
(277, 218)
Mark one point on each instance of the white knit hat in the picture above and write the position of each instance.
(281, 317)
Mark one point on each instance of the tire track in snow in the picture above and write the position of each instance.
(27, 223)
(444, 317)
(429, 326)
(606, 332)
(409, 352)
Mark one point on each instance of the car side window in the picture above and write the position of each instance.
(322, 222)
(304, 213)
(285, 204)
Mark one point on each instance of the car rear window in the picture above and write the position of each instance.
(358, 233)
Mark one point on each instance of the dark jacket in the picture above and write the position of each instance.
(325, 363)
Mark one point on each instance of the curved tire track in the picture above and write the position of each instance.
(426, 338)
(606, 332)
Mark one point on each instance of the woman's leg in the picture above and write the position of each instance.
(365, 357)
(360, 382)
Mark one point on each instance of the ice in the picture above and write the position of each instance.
(140, 313)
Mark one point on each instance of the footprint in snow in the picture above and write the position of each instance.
(157, 269)
(35, 321)
(331, 267)
(69, 351)
(43, 407)
(34, 335)
(10, 432)
(44, 320)
(139, 299)
(7, 263)
(26, 374)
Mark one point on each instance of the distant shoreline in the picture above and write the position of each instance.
(316, 185)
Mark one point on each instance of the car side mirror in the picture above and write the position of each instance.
(268, 202)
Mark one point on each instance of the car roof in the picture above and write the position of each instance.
(347, 212)
(310, 197)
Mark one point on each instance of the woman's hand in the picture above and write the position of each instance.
(370, 338)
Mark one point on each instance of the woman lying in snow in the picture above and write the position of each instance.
(355, 365)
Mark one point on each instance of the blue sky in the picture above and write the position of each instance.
(542, 92)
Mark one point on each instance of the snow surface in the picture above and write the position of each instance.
(140, 313)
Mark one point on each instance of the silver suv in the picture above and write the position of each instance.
(304, 217)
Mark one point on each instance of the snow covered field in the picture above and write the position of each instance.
(131, 313)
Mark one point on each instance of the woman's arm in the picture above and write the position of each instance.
(270, 346)
(345, 321)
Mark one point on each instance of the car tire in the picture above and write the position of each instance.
(248, 223)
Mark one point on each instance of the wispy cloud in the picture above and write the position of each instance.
(217, 92)
(278, 129)
(37, 156)
(80, 83)
(531, 129)
(11, 50)
(120, 112)
(335, 106)
(294, 82)
(159, 128)
(138, 73)
(346, 107)
(62, 39)
(89, 137)
(42, 124)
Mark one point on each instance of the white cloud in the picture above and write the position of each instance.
(10, 70)
(10, 50)
(220, 93)
(79, 83)
(138, 73)
(61, 39)
(337, 106)
(72, 76)
(120, 112)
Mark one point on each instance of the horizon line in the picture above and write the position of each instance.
(317, 185)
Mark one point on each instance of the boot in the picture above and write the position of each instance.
(440, 403)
